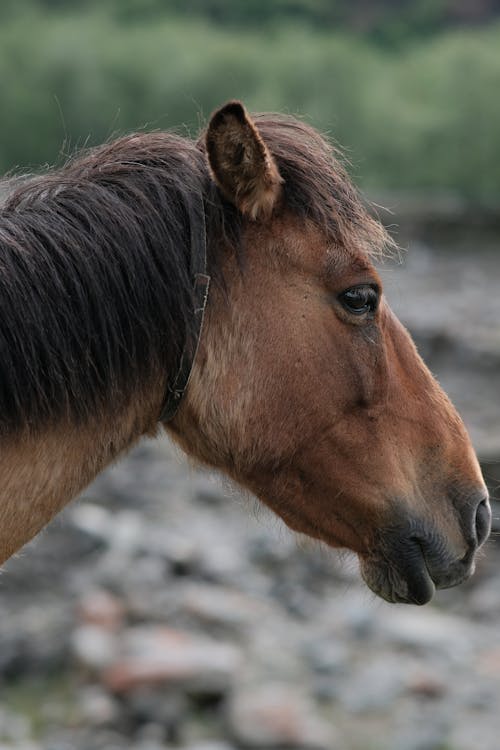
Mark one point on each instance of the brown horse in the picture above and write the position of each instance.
(305, 387)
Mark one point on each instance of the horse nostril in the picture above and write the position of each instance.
(483, 521)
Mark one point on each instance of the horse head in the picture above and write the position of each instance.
(301, 384)
(308, 390)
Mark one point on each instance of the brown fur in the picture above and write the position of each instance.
(331, 419)
(346, 413)
(41, 470)
(343, 434)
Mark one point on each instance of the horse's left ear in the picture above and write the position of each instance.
(241, 163)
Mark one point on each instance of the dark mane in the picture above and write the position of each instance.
(95, 293)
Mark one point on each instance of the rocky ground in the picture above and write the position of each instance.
(163, 610)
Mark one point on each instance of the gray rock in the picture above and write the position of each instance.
(222, 606)
(328, 657)
(34, 638)
(160, 656)
(92, 519)
(94, 646)
(85, 738)
(14, 727)
(474, 732)
(374, 685)
(211, 745)
(277, 716)
(96, 707)
(157, 712)
(100, 607)
(427, 630)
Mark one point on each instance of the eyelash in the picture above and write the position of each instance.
(360, 300)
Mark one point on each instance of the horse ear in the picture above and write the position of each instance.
(241, 163)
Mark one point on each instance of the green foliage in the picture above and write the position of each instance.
(425, 117)
(388, 22)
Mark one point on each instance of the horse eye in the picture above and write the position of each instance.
(360, 300)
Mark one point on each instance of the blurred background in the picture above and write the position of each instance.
(163, 609)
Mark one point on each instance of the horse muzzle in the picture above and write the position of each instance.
(411, 561)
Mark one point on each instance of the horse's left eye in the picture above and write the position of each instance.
(360, 300)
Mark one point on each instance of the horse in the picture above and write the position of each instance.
(224, 289)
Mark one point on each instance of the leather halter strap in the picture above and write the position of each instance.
(201, 281)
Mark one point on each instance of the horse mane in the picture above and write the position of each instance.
(95, 290)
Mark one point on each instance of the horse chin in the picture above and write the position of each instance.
(398, 583)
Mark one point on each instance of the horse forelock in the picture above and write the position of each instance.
(317, 187)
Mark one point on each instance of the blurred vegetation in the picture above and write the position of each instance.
(416, 108)
(388, 22)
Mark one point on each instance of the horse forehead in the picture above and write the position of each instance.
(316, 251)
(290, 245)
